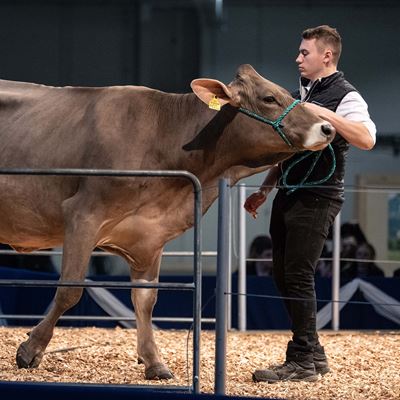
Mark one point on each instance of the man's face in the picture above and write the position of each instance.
(348, 246)
(311, 60)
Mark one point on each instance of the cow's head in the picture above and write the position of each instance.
(249, 91)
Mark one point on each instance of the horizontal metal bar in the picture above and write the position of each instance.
(96, 172)
(188, 253)
(361, 260)
(101, 284)
(104, 318)
(184, 254)
(106, 254)
(347, 188)
(182, 319)
(105, 388)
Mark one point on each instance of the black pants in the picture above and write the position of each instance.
(299, 227)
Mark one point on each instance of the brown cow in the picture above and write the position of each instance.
(131, 128)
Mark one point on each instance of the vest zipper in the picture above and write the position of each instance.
(313, 86)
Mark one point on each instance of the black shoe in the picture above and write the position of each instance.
(289, 371)
(321, 363)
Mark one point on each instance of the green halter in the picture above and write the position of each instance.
(317, 154)
(275, 124)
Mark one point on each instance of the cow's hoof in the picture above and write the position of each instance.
(26, 359)
(158, 371)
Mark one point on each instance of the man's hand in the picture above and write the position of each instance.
(254, 201)
(321, 112)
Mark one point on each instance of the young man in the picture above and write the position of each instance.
(300, 220)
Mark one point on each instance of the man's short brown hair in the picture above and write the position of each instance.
(328, 36)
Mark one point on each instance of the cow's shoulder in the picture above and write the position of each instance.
(119, 100)
(7, 85)
(14, 93)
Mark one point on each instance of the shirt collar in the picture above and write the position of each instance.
(306, 84)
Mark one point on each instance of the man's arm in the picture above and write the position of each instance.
(256, 199)
(270, 180)
(356, 133)
(351, 120)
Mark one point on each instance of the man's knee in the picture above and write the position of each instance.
(299, 283)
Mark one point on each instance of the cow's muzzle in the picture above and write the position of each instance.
(328, 130)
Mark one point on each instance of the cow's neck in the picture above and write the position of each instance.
(206, 143)
(209, 149)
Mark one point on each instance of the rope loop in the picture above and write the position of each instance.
(303, 183)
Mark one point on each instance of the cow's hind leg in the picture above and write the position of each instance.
(144, 301)
(78, 244)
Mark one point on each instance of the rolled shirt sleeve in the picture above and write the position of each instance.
(354, 108)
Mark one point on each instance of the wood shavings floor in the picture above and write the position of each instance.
(365, 365)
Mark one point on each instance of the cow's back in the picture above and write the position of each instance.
(49, 127)
(70, 127)
(52, 127)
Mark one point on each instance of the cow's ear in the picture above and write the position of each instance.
(208, 89)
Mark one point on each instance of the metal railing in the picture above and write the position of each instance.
(195, 286)
(336, 257)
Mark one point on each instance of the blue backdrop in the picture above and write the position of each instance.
(262, 312)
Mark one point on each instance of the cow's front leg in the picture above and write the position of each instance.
(78, 244)
(144, 301)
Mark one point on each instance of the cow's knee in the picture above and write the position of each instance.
(66, 297)
(144, 301)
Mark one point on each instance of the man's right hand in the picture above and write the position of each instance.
(254, 201)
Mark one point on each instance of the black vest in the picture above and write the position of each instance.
(327, 92)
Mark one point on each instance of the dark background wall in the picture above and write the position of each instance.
(166, 43)
(94, 43)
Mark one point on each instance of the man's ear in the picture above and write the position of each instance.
(328, 56)
(207, 89)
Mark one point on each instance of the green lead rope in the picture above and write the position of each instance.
(277, 126)
(303, 183)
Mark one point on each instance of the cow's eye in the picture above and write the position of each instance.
(239, 78)
(269, 99)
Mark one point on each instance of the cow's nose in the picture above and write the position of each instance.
(327, 129)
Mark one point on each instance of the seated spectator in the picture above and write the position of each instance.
(260, 248)
(348, 250)
(324, 266)
(365, 251)
(351, 237)
(363, 265)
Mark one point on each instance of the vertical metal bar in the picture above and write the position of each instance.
(219, 6)
(336, 274)
(242, 303)
(221, 286)
(197, 282)
(229, 272)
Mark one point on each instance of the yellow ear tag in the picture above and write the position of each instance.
(214, 104)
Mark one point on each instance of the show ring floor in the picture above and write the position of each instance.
(365, 365)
